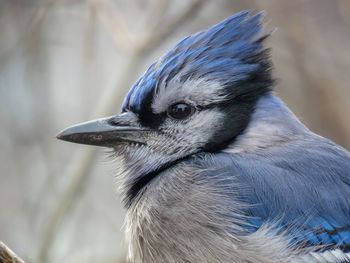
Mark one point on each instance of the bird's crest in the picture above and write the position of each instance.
(230, 52)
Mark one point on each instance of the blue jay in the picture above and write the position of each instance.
(214, 167)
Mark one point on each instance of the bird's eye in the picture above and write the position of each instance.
(180, 111)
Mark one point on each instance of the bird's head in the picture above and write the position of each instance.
(197, 98)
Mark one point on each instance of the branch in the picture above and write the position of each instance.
(7, 255)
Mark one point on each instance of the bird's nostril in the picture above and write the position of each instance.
(115, 122)
(118, 121)
(123, 119)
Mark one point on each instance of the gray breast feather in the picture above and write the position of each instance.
(197, 211)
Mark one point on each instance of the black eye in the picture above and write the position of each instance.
(180, 111)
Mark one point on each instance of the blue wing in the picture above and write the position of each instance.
(304, 186)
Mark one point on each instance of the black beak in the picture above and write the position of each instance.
(104, 132)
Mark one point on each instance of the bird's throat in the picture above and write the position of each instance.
(139, 184)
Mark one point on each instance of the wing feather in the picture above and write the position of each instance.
(303, 185)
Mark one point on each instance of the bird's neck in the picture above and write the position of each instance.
(271, 122)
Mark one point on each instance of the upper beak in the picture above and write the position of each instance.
(104, 132)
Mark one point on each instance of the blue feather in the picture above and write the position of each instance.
(227, 52)
(302, 188)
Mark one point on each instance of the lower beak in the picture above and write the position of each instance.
(103, 132)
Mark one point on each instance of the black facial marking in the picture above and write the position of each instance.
(243, 98)
(146, 116)
(145, 179)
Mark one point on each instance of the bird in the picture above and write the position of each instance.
(213, 165)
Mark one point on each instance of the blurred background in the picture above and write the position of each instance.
(67, 61)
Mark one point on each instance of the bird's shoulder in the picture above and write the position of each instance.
(312, 159)
(301, 186)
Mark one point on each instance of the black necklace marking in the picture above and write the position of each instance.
(139, 184)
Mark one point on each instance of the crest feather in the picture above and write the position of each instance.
(230, 52)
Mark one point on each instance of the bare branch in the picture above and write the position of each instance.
(7, 255)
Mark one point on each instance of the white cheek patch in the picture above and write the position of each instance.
(200, 91)
(194, 133)
(204, 124)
